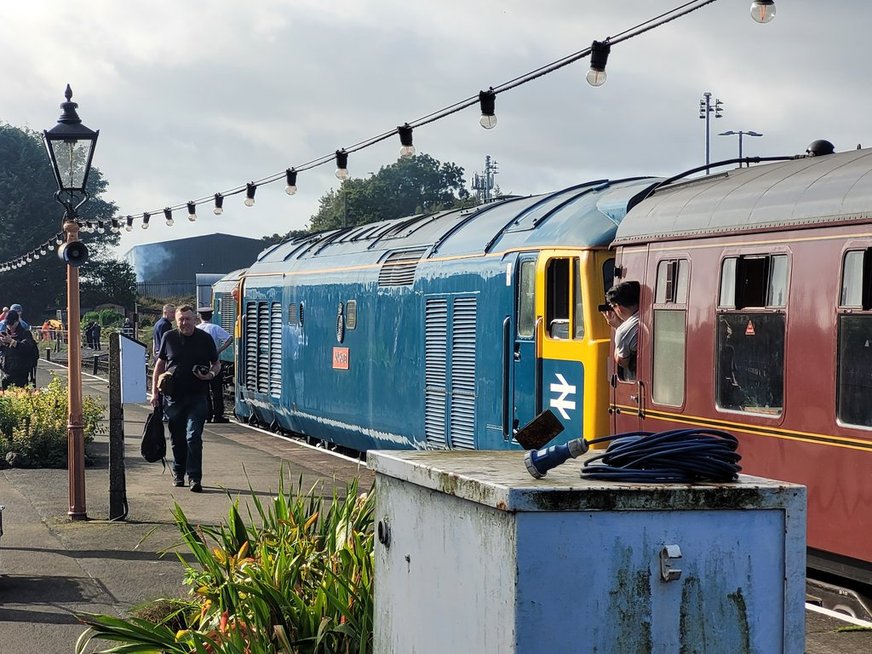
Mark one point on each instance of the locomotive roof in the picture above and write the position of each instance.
(585, 215)
(798, 193)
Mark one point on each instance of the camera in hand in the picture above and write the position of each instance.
(203, 370)
(604, 308)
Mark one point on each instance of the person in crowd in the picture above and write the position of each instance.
(623, 315)
(95, 336)
(21, 321)
(127, 327)
(163, 325)
(89, 335)
(3, 313)
(222, 340)
(192, 358)
(18, 352)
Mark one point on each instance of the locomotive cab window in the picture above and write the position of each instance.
(750, 330)
(670, 331)
(564, 308)
(855, 340)
(526, 298)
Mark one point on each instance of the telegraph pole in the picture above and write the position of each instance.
(705, 109)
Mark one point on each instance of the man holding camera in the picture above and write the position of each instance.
(190, 357)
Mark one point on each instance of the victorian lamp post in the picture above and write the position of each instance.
(70, 147)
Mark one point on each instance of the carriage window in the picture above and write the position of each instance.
(855, 340)
(754, 281)
(672, 279)
(857, 280)
(669, 333)
(526, 290)
(750, 362)
(608, 274)
(668, 371)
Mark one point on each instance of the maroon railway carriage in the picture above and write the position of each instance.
(756, 318)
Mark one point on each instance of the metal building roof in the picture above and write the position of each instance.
(790, 194)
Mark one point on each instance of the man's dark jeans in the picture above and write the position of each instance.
(185, 417)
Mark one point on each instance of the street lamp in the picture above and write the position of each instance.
(70, 147)
(741, 134)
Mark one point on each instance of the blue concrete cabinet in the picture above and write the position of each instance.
(474, 555)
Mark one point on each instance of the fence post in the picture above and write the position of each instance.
(96, 362)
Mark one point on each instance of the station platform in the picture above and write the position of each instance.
(51, 568)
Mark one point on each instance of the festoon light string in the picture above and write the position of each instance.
(598, 51)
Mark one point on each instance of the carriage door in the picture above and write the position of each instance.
(526, 374)
(630, 390)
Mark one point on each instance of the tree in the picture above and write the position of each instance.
(412, 185)
(30, 217)
(105, 281)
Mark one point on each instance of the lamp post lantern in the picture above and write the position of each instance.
(70, 146)
(741, 133)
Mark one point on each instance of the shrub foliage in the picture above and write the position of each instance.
(33, 423)
(296, 578)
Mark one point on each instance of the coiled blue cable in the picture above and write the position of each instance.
(676, 456)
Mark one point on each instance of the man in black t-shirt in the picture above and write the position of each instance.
(191, 356)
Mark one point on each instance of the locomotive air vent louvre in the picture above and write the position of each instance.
(227, 309)
(293, 314)
(250, 341)
(462, 402)
(399, 268)
(435, 369)
(275, 350)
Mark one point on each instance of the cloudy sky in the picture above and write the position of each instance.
(197, 97)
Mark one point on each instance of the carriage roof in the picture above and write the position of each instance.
(802, 192)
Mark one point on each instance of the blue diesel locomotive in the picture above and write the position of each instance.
(445, 330)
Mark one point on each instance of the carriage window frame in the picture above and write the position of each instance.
(751, 333)
(854, 349)
(759, 280)
(669, 331)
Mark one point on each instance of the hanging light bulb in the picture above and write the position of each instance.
(145, 219)
(487, 100)
(29, 259)
(250, 189)
(192, 211)
(129, 226)
(219, 204)
(116, 225)
(406, 140)
(59, 238)
(599, 56)
(100, 227)
(341, 164)
(43, 249)
(763, 11)
(291, 177)
(168, 216)
(35, 254)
